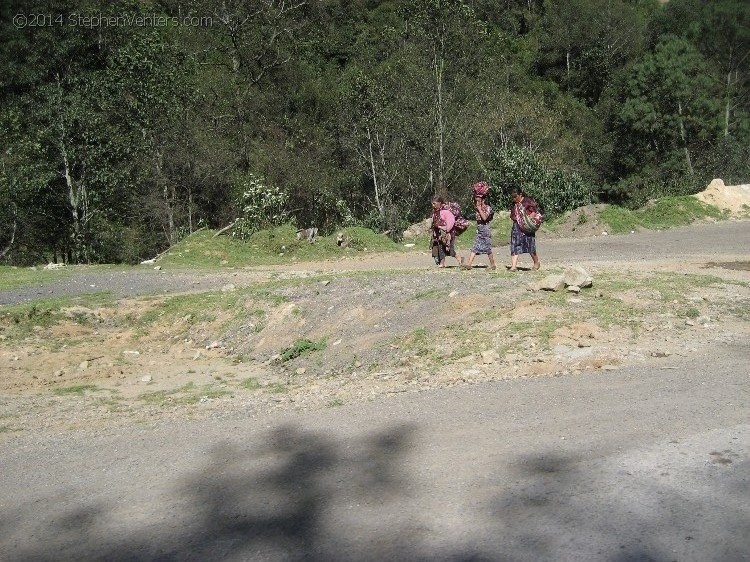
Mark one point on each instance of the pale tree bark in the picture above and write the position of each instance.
(683, 136)
(7, 248)
(76, 187)
(169, 195)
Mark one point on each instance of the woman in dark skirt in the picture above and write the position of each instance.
(520, 241)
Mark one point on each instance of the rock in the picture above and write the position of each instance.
(228, 288)
(574, 289)
(54, 266)
(577, 277)
(551, 283)
(59, 373)
(197, 355)
(131, 352)
(146, 378)
(337, 342)
(452, 294)
(214, 345)
(83, 365)
(148, 262)
(300, 371)
(157, 268)
(660, 354)
(489, 356)
(689, 323)
(326, 282)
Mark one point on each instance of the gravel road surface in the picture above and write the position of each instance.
(647, 463)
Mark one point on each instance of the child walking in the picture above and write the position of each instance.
(483, 239)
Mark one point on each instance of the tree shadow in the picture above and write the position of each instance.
(297, 494)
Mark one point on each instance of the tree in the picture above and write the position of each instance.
(668, 108)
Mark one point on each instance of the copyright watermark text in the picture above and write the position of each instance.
(90, 21)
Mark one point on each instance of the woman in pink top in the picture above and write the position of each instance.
(443, 235)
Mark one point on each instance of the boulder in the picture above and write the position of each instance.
(577, 277)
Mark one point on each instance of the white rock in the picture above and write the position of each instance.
(131, 352)
(452, 294)
(301, 371)
(146, 378)
(157, 268)
(227, 288)
(148, 262)
(197, 355)
(83, 365)
(577, 277)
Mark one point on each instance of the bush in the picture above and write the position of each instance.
(261, 206)
(556, 191)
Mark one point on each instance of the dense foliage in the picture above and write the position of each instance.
(127, 125)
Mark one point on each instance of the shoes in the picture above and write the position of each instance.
(536, 267)
(492, 268)
(512, 269)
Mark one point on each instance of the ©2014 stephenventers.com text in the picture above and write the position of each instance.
(21, 21)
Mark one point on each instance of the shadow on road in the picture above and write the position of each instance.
(302, 495)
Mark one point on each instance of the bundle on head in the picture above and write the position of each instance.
(480, 188)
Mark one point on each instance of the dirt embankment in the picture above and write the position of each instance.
(303, 338)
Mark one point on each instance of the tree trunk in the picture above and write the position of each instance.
(168, 196)
(13, 232)
(373, 171)
(683, 135)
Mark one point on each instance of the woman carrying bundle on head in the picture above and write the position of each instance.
(483, 239)
(526, 220)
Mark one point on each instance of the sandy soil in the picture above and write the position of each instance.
(385, 324)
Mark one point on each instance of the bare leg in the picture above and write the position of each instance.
(514, 262)
(535, 257)
(492, 261)
(467, 265)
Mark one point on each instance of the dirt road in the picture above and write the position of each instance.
(646, 461)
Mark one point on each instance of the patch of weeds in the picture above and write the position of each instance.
(112, 404)
(250, 383)
(301, 347)
(692, 313)
(663, 213)
(79, 389)
(583, 218)
(429, 294)
(335, 402)
(609, 311)
(278, 388)
(7, 428)
(186, 395)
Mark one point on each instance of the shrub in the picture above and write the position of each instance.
(261, 206)
(555, 190)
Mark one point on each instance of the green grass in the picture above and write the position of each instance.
(301, 347)
(79, 389)
(250, 383)
(19, 320)
(663, 213)
(268, 247)
(186, 395)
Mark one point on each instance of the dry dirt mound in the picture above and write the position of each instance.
(732, 198)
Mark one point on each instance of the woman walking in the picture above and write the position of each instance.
(443, 234)
(521, 241)
(483, 239)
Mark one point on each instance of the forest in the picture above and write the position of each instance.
(128, 125)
